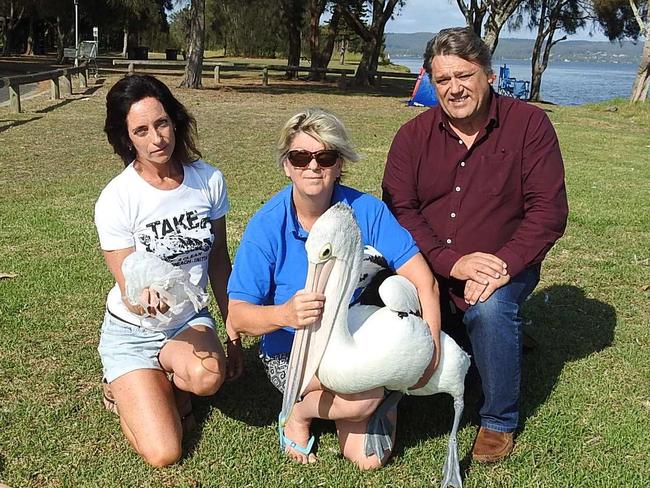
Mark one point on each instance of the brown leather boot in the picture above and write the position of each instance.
(491, 446)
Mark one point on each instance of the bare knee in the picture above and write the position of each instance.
(160, 456)
(206, 379)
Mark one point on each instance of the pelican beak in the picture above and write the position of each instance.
(318, 274)
(309, 343)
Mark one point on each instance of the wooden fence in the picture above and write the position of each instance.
(60, 83)
(220, 66)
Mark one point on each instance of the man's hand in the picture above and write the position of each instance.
(478, 292)
(304, 309)
(479, 266)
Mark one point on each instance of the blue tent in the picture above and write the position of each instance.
(424, 95)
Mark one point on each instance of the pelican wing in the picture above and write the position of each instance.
(400, 295)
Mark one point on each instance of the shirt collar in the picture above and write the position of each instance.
(492, 119)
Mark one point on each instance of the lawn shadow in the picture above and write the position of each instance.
(251, 399)
(565, 326)
(395, 88)
(15, 123)
(2, 464)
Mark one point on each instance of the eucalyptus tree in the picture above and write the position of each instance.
(12, 13)
(548, 18)
(293, 16)
(622, 19)
(196, 46)
(487, 17)
(381, 11)
(135, 16)
(321, 52)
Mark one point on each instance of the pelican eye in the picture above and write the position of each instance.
(325, 252)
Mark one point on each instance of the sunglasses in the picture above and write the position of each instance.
(301, 158)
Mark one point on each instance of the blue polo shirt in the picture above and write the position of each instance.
(271, 262)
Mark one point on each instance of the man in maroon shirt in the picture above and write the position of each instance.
(479, 182)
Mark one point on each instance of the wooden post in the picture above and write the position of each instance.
(66, 84)
(83, 78)
(342, 83)
(265, 77)
(217, 75)
(14, 98)
(55, 91)
(131, 68)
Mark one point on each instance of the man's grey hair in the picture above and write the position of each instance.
(323, 126)
(462, 42)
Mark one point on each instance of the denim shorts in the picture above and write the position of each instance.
(124, 347)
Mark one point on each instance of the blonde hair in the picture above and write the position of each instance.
(323, 126)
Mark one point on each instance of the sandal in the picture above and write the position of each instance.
(108, 399)
(286, 442)
(185, 410)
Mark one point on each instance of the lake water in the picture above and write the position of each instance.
(571, 83)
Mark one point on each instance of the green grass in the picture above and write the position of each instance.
(586, 387)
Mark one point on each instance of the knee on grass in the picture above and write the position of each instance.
(160, 456)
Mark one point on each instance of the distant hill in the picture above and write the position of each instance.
(508, 48)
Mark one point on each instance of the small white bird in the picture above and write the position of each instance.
(364, 347)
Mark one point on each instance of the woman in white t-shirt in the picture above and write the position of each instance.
(169, 203)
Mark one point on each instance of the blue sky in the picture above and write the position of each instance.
(433, 15)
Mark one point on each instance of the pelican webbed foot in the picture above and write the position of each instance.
(379, 434)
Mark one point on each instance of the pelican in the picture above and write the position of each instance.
(364, 347)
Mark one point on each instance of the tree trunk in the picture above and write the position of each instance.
(293, 56)
(10, 24)
(491, 36)
(362, 76)
(194, 66)
(29, 48)
(293, 15)
(321, 56)
(125, 42)
(382, 11)
(60, 39)
(642, 79)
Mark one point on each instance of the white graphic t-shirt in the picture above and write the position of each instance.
(172, 224)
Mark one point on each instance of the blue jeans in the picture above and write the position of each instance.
(495, 332)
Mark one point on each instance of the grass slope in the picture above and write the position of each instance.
(586, 387)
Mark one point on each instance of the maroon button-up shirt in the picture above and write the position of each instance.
(504, 196)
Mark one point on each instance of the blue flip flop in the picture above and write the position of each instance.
(286, 442)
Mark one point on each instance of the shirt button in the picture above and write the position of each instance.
(460, 141)
(448, 241)
(453, 214)
(462, 163)
(458, 188)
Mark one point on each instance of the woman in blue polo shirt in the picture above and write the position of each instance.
(265, 287)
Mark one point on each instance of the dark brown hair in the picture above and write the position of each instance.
(462, 42)
(133, 88)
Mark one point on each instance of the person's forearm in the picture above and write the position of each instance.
(255, 320)
(219, 272)
(417, 271)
